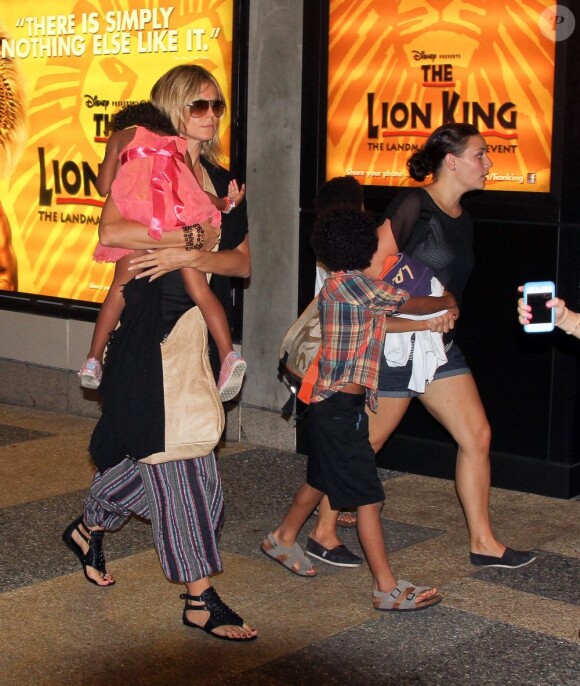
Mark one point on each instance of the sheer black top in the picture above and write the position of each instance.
(423, 230)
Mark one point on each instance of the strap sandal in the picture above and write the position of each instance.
(292, 557)
(346, 519)
(94, 557)
(404, 598)
(219, 614)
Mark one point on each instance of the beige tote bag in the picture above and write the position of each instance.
(194, 414)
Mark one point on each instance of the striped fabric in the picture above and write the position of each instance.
(352, 310)
(182, 499)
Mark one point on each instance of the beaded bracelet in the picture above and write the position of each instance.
(190, 242)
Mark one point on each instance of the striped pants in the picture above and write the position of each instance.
(182, 499)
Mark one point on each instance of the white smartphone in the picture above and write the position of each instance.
(536, 294)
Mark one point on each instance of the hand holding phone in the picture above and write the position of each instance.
(536, 295)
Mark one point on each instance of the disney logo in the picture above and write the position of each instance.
(93, 101)
(422, 55)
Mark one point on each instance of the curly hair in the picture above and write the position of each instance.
(449, 138)
(344, 239)
(143, 114)
(341, 191)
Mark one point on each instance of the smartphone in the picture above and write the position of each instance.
(536, 294)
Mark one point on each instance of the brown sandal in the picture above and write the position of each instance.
(403, 598)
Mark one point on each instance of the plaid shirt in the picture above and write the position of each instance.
(353, 310)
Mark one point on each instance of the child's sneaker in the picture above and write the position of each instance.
(90, 373)
(231, 376)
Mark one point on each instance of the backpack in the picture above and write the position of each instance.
(297, 351)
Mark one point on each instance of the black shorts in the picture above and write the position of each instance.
(394, 381)
(341, 463)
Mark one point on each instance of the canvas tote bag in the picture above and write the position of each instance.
(194, 414)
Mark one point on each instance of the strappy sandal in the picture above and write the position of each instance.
(348, 523)
(346, 519)
(219, 614)
(403, 598)
(94, 557)
(288, 556)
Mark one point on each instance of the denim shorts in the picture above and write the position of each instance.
(394, 381)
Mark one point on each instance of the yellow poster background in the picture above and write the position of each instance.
(75, 70)
(436, 59)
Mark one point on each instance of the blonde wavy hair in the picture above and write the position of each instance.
(177, 88)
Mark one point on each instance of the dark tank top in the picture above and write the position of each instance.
(441, 242)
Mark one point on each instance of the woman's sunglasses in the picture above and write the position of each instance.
(198, 108)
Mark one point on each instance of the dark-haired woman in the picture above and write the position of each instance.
(430, 224)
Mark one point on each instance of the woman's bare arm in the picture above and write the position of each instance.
(236, 262)
(116, 231)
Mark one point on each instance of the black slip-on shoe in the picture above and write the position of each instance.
(511, 559)
(340, 556)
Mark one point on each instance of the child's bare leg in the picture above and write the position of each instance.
(281, 544)
(370, 532)
(324, 531)
(91, 372)
(304, 502)
(111, 308)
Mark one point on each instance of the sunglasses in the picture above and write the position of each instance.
(198, 108)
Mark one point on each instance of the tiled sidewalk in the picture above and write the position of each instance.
(494, 627)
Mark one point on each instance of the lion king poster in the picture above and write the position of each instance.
(397, 70)
(67, 67)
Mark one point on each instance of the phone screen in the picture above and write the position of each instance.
(540, 313)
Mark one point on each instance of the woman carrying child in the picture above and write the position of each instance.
(148, 172)
(183, 497)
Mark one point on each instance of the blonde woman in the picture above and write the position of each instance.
(182, 499)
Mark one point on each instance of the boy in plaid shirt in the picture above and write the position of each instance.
(353, 309)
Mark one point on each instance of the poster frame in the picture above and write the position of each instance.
(509, 205)
(67, 308)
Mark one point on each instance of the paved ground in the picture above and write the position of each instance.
(493, 627)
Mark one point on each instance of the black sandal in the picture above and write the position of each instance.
(94, 557)
(219, 613)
